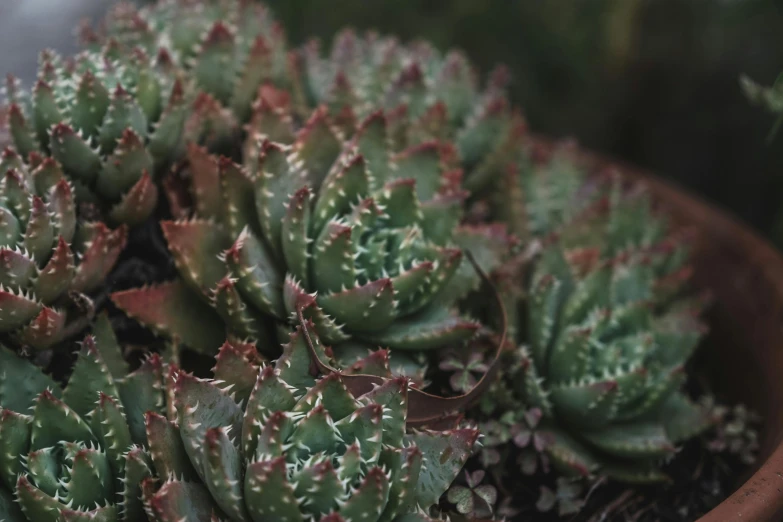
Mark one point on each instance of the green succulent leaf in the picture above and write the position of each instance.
(15, 429)
(142, 392)
(184, 316)
(9, 509)
(609, 326)
(137, 469)
(21, 382)
(109, 347)
(90, 378)
(443, 455)
(267, 487)
(167, 451)
(200, 407)
(175, 500)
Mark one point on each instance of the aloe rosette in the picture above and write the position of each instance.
(611, 326)
(77, 453)
(232, 49)
(368, 254)
(255, 442)
(273, 442)
(114, 120)
(48, 258)
(229, 48)
(427, 95)
(353, 215)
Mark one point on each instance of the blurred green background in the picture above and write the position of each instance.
(654, 82)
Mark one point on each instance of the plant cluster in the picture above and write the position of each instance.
(356, 198)
(49, 258)
(257, 441)
(346, 195)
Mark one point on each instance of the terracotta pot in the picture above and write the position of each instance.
(743, 354)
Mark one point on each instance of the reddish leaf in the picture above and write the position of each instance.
(173, 310)
(102, 249)
(138, 203)
(45, 330)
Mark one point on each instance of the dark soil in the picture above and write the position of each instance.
(700, 481)
(145, 261)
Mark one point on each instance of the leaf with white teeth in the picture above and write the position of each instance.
(611, 327)
(9, 509)
(94, 117)
(71, 458)
(300, 447)
(257, 276)
(354, 182)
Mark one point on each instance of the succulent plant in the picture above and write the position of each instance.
(48, 259)
(229, 48)
(610, 329)
(370, 253)
(114, 121)
(274, 442)
(545, 188)
(232, 49)
(256, 442)
(426, 95)
(353, 215)
(76, 453)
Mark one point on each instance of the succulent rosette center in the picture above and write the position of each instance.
(377, 248)
(71, 470)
